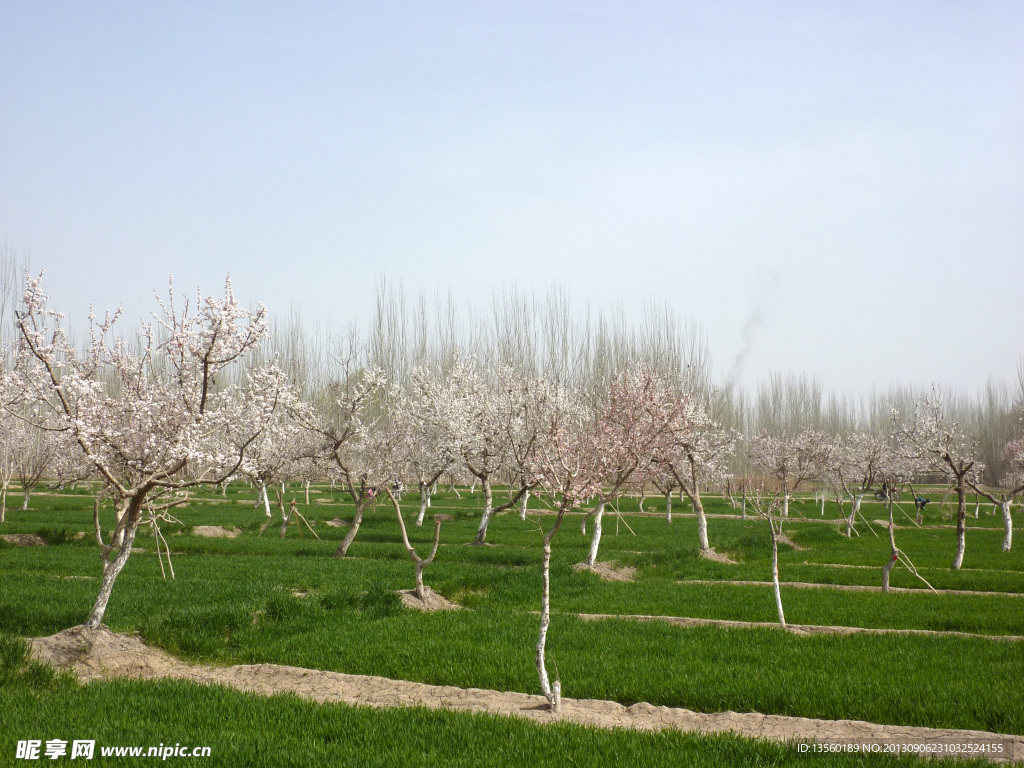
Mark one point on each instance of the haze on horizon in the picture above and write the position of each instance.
(834, 189)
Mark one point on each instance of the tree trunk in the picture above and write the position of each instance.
(285, 519)
(522, 504)
(702, 522)
(668, 506)
(552, 693)
(855, 500)
(3, 504)
(342, 549)
(1007, 524)
(118, 539)
(894, 556)
(481, 532)
(266, 499)
(595, 542)
(111, 569)
(421, 563)
(424, 503)
(775, 575)
(25, 498)
(785, 503)
(305, 488)
(961, 517)
(744, 503)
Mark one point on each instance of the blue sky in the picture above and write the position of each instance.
(852, 173)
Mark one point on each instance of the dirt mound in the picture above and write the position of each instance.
(100, 653)
(717, 557)
(609, 571)
(214, 532)
(789, 543)
(24, 539)
(336, 523)
(434, 601)
(95, 654)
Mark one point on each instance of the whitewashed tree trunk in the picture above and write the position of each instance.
(111, 568)
(785, 504)
(668, 506)
(305, 489)
(775, 574)
(595, 542)
(481, 532)
(744, 504)
(961, 518)
(424, 503)
(855, 500)
(1007, 524)
(3, 503)
(523, 501)
(118, 539)
(553, 693)
(265, 498)
(893, 552)
(702, 523)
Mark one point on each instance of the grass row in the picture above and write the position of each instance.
(233, 602)
(37, 704)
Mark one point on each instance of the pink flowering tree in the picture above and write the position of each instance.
(348, 425)
(860, 461)
(431, 453)
(149, 416)
(489, 426)
(792, 460)
(697, 453)
(634, 417)
(571, 460)
(939, 443)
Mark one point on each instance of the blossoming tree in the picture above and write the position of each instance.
(792, 460)
(939, 442)
(148, 415)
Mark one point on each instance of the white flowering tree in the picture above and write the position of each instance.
(792, 460)
(571, 459)
(1013, 481)
(939, 443)
(860, 461)
(38, 449)
(697, 453)
(430, 451)
(489, 427)
(635, 417)
(349, 427)
(149, 415)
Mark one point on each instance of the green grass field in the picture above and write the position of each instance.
(235, 601)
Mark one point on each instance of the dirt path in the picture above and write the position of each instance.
(796, 629)
(101, 654)
(853, 587)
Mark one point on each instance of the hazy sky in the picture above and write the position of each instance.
(849, 174)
